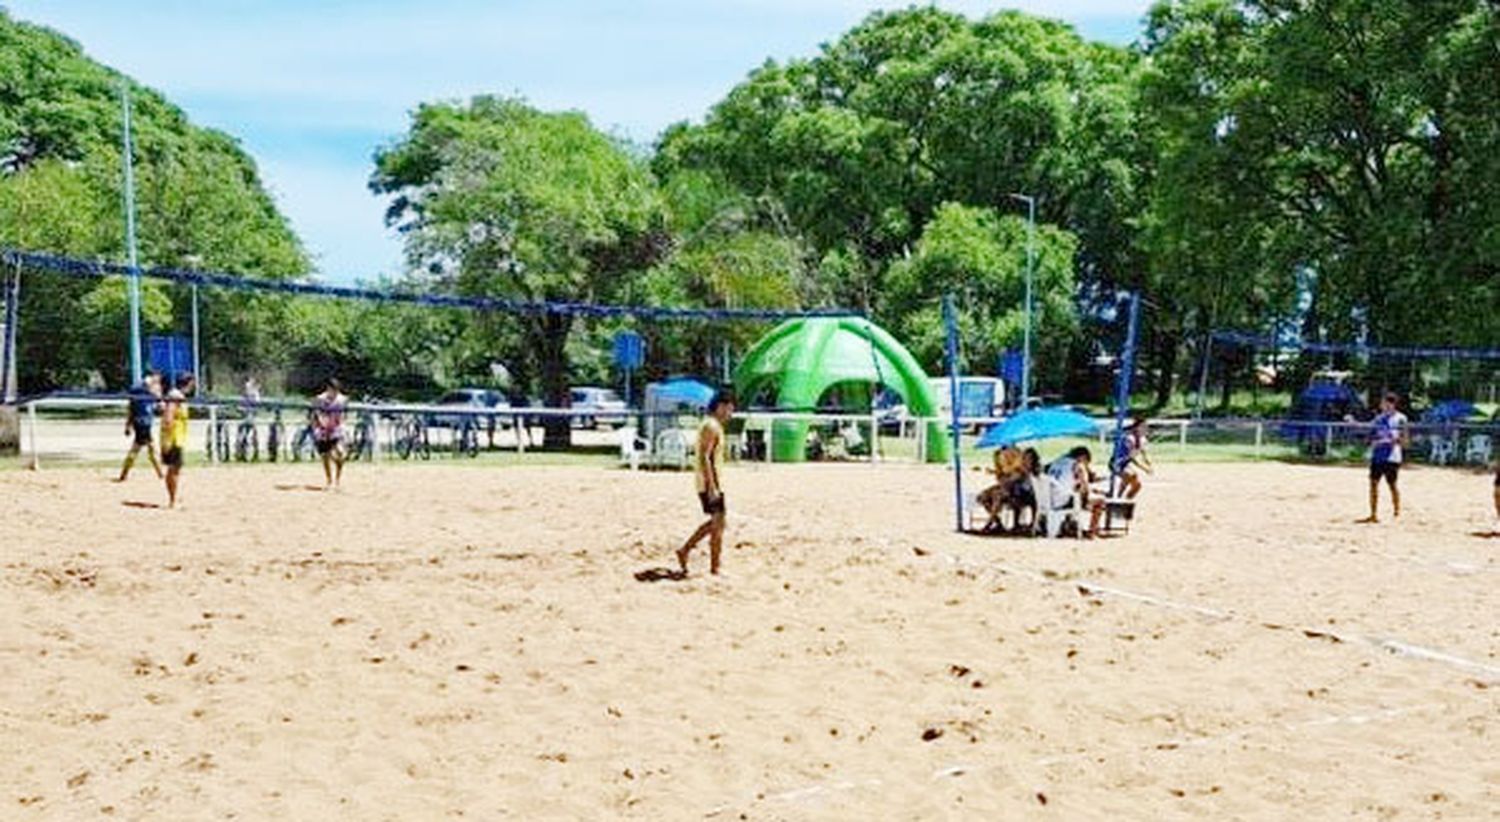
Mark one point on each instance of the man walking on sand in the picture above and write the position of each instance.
(139, 420)
(708, 461)
(1387, 440)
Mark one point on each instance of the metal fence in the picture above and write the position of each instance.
(75, 428)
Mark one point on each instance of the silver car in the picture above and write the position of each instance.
(603, 407)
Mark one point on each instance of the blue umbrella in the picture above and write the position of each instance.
(684, 390)
(1039, 424)
(1450, 410)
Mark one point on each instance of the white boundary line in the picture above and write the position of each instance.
(1162, 746)
(1388, 644)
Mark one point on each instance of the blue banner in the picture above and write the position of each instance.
(630, 351)
(1012, 364)
(171, 355)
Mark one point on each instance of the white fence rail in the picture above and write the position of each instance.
(861, 436)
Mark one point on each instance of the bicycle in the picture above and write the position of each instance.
(411, 438)
(362, 443)
(218, 438)
(303, 447)
(466, 438)
(275, 435)
(247, 441)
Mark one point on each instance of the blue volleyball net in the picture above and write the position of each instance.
(429, 370)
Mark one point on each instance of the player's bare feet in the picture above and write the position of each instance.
(682, 558)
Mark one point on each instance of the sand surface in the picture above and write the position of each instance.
(443, 641)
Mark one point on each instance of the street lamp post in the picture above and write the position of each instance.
(1030, 202)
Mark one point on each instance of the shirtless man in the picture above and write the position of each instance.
(707, 465)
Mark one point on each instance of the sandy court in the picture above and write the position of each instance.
(447, 641)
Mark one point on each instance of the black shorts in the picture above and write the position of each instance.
(1388, 471)
(142, 433)
(711, 504)
(171, 457)
(325, 446)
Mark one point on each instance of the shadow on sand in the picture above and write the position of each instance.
(153, 506)
(292, 486)
(660, 575)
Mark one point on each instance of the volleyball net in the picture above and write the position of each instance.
(430, 374)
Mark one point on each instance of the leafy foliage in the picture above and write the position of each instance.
(199, 203)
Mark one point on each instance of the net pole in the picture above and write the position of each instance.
(950, 321)
(1122, 391)
(134, 278)
(8, 377)
(197, 360)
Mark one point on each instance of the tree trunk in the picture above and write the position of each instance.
(550, 333)
(1167, 347)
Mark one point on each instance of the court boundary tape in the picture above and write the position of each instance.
(1390, 645)
(1164, 746)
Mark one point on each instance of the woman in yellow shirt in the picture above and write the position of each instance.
(174, 433)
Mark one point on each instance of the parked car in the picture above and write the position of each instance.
(604, 407)
(468, 399)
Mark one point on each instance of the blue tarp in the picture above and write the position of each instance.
(684, 390)
(1039, 424)
(1329, 392)
(1451, 411)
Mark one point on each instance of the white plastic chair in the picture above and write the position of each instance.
(1056, 503)
(632, 448)
(672, 447)
(1480, 449)
(1442, 450)
(974, 511)
(853, 440)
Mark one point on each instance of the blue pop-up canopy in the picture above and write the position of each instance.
(1451, 411)
(684, 390)
(1039, 424)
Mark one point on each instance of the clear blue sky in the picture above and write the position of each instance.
(312, 88)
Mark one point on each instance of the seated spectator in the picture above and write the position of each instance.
(1009, 470)
(1073, 471)
(1023, 493)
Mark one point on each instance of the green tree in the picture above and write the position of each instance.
(199, 202)
(863, 143)
(1337, 148)
(980, 257)
(499, 199)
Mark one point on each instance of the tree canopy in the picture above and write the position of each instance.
(199, 201)
(1329, 167)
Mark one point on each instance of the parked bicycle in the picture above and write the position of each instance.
(411, 438)
(247, 441)
(466, 437)
(362, 439)
(218, 440)
(303, 445)
(275, 436)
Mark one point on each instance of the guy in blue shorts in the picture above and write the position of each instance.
(1387, 439)
(139, 420)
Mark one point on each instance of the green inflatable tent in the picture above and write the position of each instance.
(801, 360)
